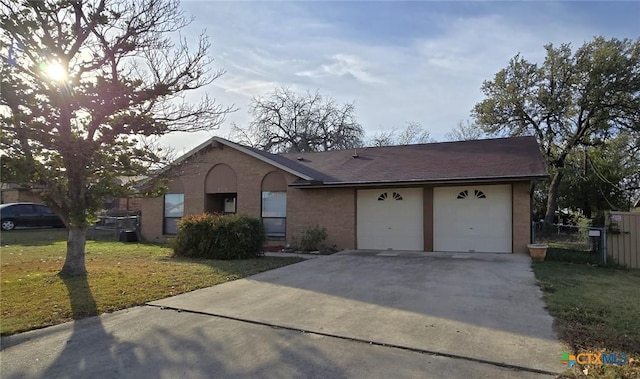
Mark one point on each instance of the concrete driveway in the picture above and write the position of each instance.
(482, 307)
(353, 314)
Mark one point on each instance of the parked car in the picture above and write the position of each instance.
(28, 214)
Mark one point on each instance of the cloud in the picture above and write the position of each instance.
(424, 65)
(343, 65)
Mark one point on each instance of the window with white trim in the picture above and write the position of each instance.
(173, 212)
(274, 213)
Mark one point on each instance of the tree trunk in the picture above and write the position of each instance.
(74, 262)
(552, 197)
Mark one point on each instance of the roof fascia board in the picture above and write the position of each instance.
(419, 182)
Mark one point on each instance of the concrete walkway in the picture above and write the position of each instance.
(483, 307)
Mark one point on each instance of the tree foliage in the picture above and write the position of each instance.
(84, 84)
(604, 177)
(464, 132)
(571, 100)
(412, 133)
(286, 121)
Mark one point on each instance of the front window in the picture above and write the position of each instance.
(274, 213)
(173, 211)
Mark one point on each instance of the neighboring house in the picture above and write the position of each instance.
(636, 206)
(451, 196)
(15, 193)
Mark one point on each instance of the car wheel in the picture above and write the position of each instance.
(8, 225)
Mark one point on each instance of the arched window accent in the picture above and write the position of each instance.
(221, 179)
(382, 197)
(220, 188)
(463, 195)
(397, 196)
(480, 194)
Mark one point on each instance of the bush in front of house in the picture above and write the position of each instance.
(194, 236)
(311, 238)
(214, 236)
(238, 237)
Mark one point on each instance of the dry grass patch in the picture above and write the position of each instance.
(120, 276)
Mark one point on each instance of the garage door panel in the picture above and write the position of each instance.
(472, 218)
(390, 219)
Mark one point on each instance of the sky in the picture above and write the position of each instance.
(418, 61)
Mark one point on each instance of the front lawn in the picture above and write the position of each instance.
(121, 275)
(596, 309)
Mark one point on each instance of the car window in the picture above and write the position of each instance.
(23, 209)
(43, 210)
(7, 210)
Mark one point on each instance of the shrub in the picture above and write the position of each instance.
(194, 235)
(312, 238)
(214, 236)
(238, 237)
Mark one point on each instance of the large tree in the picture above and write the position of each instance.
(571, 100)
(604, 177)
(286, 121)
(83, 83)
(464, 132)
(412, 133)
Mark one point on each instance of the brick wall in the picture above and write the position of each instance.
(333, 208)
(19, 195)
(521, 208)
(132, 204)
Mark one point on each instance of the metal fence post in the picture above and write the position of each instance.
(604, 245)
(533, 232)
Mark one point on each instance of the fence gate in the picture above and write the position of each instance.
(585, 239)
(623, 238)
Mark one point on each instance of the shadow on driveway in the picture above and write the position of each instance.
(146, 342)
(482, 306)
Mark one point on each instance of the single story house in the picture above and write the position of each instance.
(469, 196)
(16, 193)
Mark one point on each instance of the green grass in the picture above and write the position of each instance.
(596, 309)
(574, 256)
(33, 236)
(121, 275)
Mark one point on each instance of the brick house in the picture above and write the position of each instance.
(16, 193)
(451, 196)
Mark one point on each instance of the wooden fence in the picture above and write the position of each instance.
(623, 238)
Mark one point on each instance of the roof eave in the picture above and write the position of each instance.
(417, 181)
(252, 153)
(235, 146)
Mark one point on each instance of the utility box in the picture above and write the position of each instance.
(128, 236)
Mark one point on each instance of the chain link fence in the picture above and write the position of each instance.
(571, 241)
(119, 228)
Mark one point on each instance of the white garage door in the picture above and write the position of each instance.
(472, 218)
(390, 219)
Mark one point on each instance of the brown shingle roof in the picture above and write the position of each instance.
(500, 158)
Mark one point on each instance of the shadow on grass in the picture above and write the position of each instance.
(152, 343)
(78, 357)
(33, 237)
